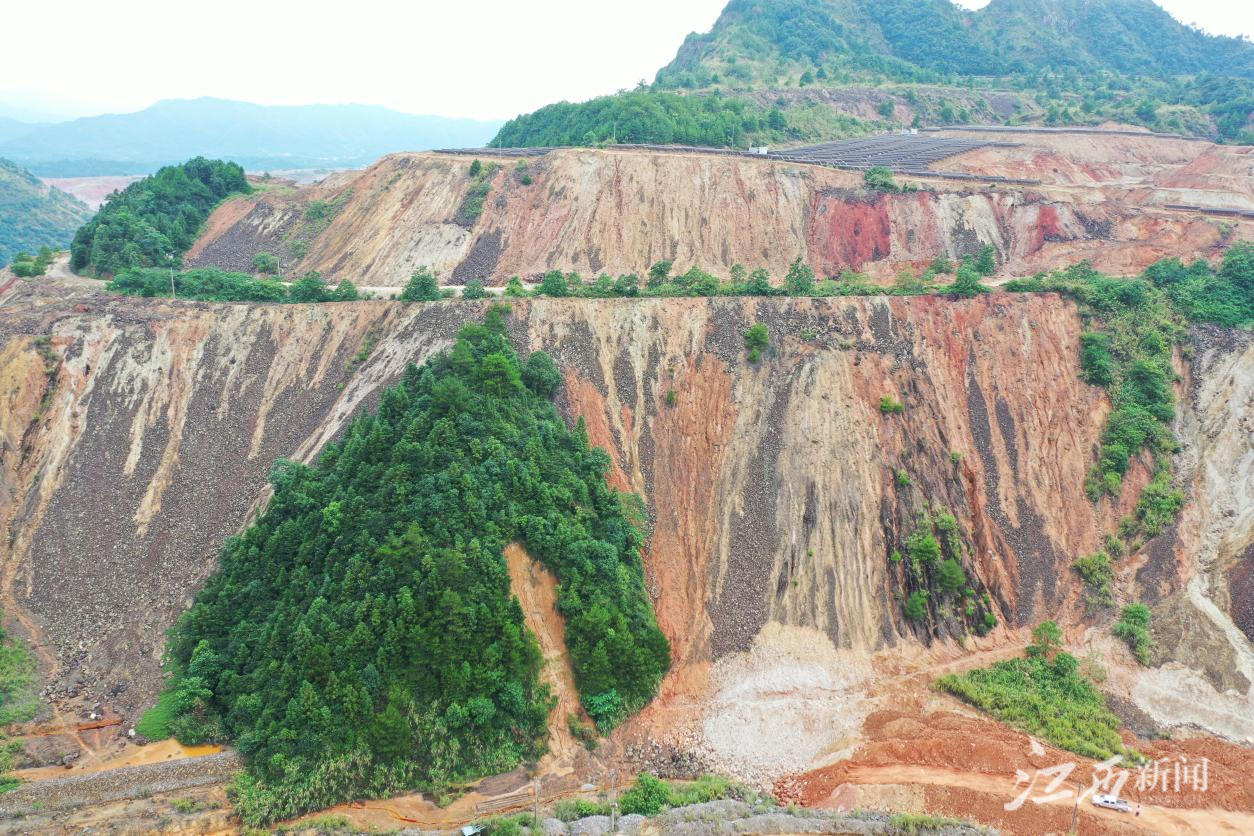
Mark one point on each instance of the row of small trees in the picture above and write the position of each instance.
(661, 280)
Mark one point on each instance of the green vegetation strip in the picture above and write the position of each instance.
(209, 284)
(361, 639)
(17, 698)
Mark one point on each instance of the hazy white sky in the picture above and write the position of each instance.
(479, 58)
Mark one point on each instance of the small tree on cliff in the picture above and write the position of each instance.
(659, 273)
(759, 283)
(756, 340)
(880, 178)
(986, 261)
(1046, 640)
(554, 284)
(265, 263)
(422, 287)
(916, 605)
(966, 284)
(800, 279)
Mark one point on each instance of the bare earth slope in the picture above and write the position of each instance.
(140, 434)
(155, 434)
(620, 211)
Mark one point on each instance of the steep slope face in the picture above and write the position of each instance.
(33, 215)
(621, 211)
(138, 435)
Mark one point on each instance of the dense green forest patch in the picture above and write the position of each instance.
(645, 116)
(153, 221)
(361, 638)
(33, 215)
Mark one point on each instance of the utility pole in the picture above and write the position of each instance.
(613, 801)
(535, 820)
(170, 256)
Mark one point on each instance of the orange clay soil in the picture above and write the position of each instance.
(965, 765)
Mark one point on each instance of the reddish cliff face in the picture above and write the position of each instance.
(621, 211)
(139, 434)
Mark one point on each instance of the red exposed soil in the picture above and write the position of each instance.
(847, 232)
(967, 766)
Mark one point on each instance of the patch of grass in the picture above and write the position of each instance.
(187, 806)
(17, 699)
(585, 733)
(911, 824)
(511, 825)
(579, 808)
(320, 213)
(651, 794)
(888, 406)
(1098, 576)
(477, 193)
(322, 825)
(1048, 698)
(17, 681)
(1133, 628)
(154, 724)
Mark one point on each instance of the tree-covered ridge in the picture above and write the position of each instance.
(153, 221)
(1056, 62)
(643, 116)
(33, 215)
(361, 638)
(899, 38)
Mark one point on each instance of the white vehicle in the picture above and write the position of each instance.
(1111, 802)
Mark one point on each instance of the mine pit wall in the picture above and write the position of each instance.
(1197, 574)
(591, 211)
(771, 488)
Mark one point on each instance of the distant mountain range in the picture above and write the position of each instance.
(258, 137)
(816, 69)
(33, 215)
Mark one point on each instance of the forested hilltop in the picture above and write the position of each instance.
(814, 69)
(153, 221)
(33, 215)
(362, 639)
